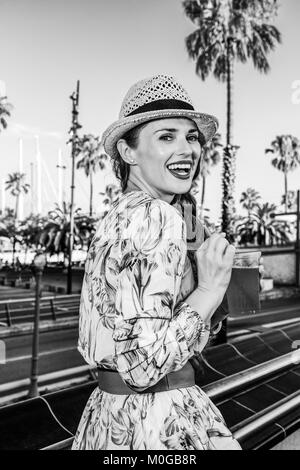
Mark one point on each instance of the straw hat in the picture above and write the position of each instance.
(157, 97)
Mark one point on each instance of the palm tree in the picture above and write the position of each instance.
(30, 229)
(260, 227)
(209, 158)
(229, 31)
(286, 149)
(55, 235)
(17, 185)
(10, 229)
(92, 158)
(5, 109)
(249, 200)
(290, 200)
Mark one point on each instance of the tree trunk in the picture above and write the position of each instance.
(228, 177)
(14, 251)
(229, 126)
(202, 199)
(91, 193)
(17, 207)
(285, 190)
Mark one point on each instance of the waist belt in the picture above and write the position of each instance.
(110, 381)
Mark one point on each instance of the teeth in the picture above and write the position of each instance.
(179, 166)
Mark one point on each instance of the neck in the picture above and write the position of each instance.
(137, 183)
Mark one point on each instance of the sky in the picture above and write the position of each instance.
(110, 44)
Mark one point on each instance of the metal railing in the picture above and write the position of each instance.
(238, 382)
(269, 415)
(7, 306)
(249, 376)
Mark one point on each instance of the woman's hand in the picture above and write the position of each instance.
(214, 263)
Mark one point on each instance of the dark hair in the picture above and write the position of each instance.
(120, 167)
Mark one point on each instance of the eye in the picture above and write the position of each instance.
(166, 137)
(193, 138)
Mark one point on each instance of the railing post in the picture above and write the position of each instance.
(297, 247)
(8, 317)
(39, 263)
(53, 309)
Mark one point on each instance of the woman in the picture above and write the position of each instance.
(145, 313)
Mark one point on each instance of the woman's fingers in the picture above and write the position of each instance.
(212, 241)
(229, 253)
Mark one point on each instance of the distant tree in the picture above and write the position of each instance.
(290, 200)
(10, 229)
(56, 232)
(30, 229)
(5, 109)
(92, 158)
(286, 149)
(250, 200)
(16, 185)
(262, 228)
(228, 31)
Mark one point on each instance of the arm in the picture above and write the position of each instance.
(153, 335)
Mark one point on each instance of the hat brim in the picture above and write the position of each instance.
(207, 125)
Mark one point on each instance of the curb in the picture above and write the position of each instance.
(27, 328)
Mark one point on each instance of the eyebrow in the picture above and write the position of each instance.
(174, 130)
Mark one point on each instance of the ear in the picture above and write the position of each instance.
(125, 151)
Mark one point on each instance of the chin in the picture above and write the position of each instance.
(183, 188)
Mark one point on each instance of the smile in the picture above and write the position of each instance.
(181, 171)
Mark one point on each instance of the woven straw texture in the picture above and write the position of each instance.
(145, 91)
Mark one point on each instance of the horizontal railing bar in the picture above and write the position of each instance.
(269, 415)
(45, 377)
(238, 380)
(32, 299)
(66, 443)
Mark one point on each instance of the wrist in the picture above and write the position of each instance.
(216, 294)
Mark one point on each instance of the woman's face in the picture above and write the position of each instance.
(166, 156)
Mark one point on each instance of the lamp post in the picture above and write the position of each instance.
(39, 263)
(74, 142)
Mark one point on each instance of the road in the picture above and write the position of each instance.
(58, 351)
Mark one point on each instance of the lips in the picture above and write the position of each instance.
(179, 172)
(180, 175)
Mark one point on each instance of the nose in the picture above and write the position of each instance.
(183, 147)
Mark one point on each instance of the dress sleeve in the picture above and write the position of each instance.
(154, 335)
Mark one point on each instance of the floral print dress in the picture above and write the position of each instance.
(134, 319)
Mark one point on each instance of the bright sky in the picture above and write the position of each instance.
(110, 44)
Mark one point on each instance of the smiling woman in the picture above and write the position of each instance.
(144, 313)
(164, 158)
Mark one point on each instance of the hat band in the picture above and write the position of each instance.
(158, 105)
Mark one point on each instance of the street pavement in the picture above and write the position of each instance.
(58, 351)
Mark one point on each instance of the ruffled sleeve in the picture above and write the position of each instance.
(153, 333)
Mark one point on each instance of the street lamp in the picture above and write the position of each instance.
(74, 141)
(39, 263)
